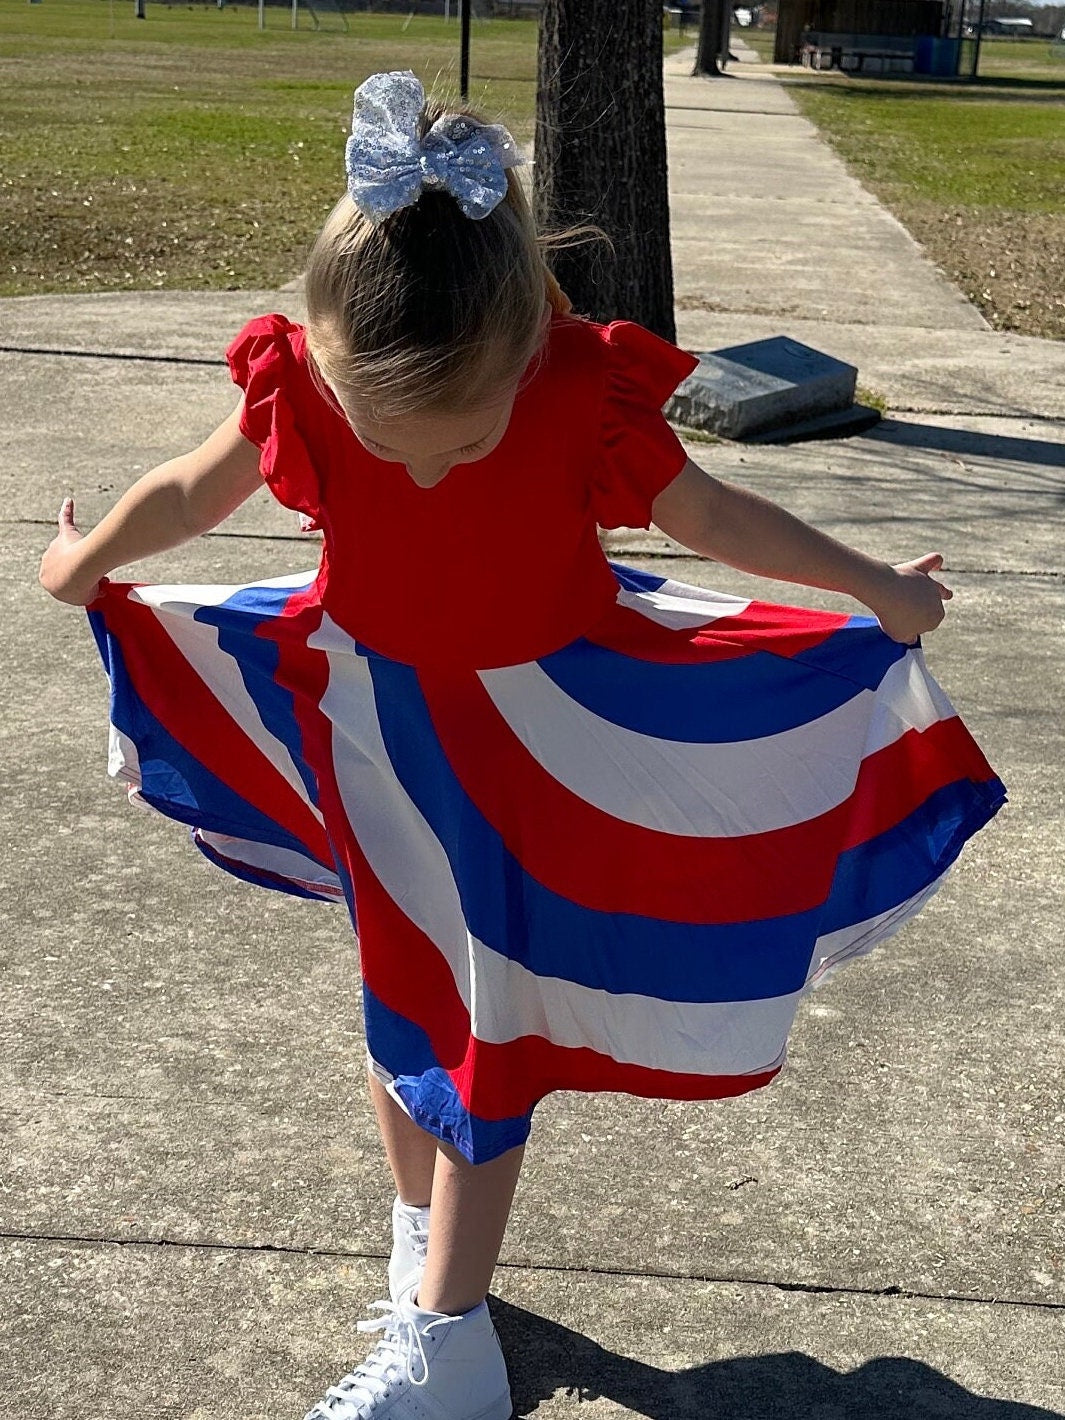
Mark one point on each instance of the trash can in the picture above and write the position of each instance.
(937, 57)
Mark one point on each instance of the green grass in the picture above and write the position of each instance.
(871, 398)
(1026, 60)
(189, 150)
(951, 150)
(976, 171)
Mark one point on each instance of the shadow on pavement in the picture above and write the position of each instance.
(546, 1359)
(971, 442)
(980, 90)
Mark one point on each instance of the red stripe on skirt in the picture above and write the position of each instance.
(609, 865)
(174, 693)
(786, 631)
(407, 973)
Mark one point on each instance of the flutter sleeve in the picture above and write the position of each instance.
(266, 361)
(639, 453)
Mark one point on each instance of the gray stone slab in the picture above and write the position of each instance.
(182, 1055)
(119, 419)
(762, 385)
(727, 208)
(915, 369)
(757, 93)
(191, 324)
(740, 266)
(987, 493)
(906, 1072)
(198, 1334)
(690, 117)
(707, 161)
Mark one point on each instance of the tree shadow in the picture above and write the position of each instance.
(545, 1358)
(972, 443)
(875, 86)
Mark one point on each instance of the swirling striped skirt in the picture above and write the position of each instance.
(615, 868)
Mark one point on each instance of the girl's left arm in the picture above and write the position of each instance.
(726, 522)
(169, 505)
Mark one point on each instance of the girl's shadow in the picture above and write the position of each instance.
(545, 1359)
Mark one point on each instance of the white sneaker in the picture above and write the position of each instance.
(410, 1242)
(427, 1366)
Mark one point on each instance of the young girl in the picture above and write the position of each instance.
(598, 830)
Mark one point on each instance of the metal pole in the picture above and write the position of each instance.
(979, 32)
(464, 49)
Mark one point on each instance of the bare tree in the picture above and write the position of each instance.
(712, 44)
(601, 155)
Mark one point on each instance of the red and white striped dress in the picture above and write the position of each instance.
(596, 830)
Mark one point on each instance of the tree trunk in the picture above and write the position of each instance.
(601, 156)
(709, 48)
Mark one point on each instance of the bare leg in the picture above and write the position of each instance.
(470, 1204)
(470, 1207)
(411, 1151)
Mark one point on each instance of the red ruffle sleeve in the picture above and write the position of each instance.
(267, 361)
(640, 454)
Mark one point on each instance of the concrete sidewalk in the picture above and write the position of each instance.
(194, 1209)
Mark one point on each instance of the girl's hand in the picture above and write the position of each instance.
(911, 602)
(60, 573)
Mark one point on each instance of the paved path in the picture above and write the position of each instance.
(193, 1205)
(767, 220)
(772, 233)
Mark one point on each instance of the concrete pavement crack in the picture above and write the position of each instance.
(112, 355)
(1020, 416)
(710, 108)
(215, 362)
(307, 538)
(652, 554)
(809, 1288)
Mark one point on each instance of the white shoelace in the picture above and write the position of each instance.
(417, 1238)
(392, 1359)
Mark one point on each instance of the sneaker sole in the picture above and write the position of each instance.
(501, 1409)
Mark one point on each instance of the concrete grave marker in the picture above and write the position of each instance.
(748, 390)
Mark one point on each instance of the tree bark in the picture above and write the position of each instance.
(601, 156)
(708, 47)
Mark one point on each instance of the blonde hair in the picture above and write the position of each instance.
(428, 310)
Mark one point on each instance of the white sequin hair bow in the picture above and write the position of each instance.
(389, 166)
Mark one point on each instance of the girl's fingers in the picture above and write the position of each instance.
(66, 517)
(930, 562)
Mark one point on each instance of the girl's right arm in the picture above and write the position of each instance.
(175, 502)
